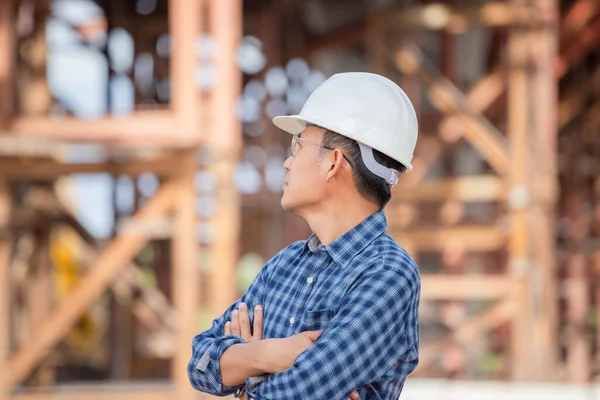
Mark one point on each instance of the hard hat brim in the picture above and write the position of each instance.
(292, 124)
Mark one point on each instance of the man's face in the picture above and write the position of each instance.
(305, 180)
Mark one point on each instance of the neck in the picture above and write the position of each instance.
(334, 218)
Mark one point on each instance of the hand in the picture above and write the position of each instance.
(240, 324)
(353, 395)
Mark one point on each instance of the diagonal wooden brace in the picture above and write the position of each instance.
(449, 100)
(500, 312)
(112, 259)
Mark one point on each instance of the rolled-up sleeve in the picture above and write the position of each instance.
(204, 369)
(375, 329)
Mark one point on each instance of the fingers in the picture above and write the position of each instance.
(235, 323)
(244, 320)
(240, 323)
(354, 395)
(258, 322)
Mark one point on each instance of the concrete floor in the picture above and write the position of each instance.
(439, 389)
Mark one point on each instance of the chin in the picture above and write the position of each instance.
(287, 204)
(284, 203)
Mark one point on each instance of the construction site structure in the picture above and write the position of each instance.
(501, 212)
(165, 141)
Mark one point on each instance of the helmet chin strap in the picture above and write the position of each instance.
(389, 174)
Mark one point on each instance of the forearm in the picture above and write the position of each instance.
(241, 361)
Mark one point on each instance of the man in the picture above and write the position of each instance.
(335, 316)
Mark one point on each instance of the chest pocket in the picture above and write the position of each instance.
(317, 319)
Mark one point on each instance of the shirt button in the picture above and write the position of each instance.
(292, 320)
(309, 280)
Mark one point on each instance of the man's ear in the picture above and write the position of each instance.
(336, 165)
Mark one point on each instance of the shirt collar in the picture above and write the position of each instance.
(343, 249)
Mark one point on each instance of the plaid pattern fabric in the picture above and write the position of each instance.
(363, 290)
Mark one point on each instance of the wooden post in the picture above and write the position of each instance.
(40, 296)
(225, 141)
(5, 250)
(576, 283)
(185, 280)
(376, 41)
(7, 60)
(519, 194)
(545, 130)
(185, 21)
(596, 260)
(34, 93)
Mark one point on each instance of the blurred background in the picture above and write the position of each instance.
(140, 181)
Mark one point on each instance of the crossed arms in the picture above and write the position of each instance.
(258, 356)
(365, 339)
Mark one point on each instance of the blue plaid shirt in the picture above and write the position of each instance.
(363, 289)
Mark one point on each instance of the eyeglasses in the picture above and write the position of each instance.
(297, 145)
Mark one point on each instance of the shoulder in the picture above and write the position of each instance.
(387, 255)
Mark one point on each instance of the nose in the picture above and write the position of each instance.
(287, 164)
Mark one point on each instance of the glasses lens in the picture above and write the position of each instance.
(294, 146)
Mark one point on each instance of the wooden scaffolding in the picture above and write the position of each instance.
(509, 316)
(168, 141)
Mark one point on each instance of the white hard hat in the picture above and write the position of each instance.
(365, 107)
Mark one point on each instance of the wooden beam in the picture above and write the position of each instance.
(472, 188)
(5, 251)
(587, 40)
(465, 288)
(438, 16)
(145, 391)
(467, 238)
(141, 126)
(576, 18)
(47, 169)
(113, 258)
(449, 100)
